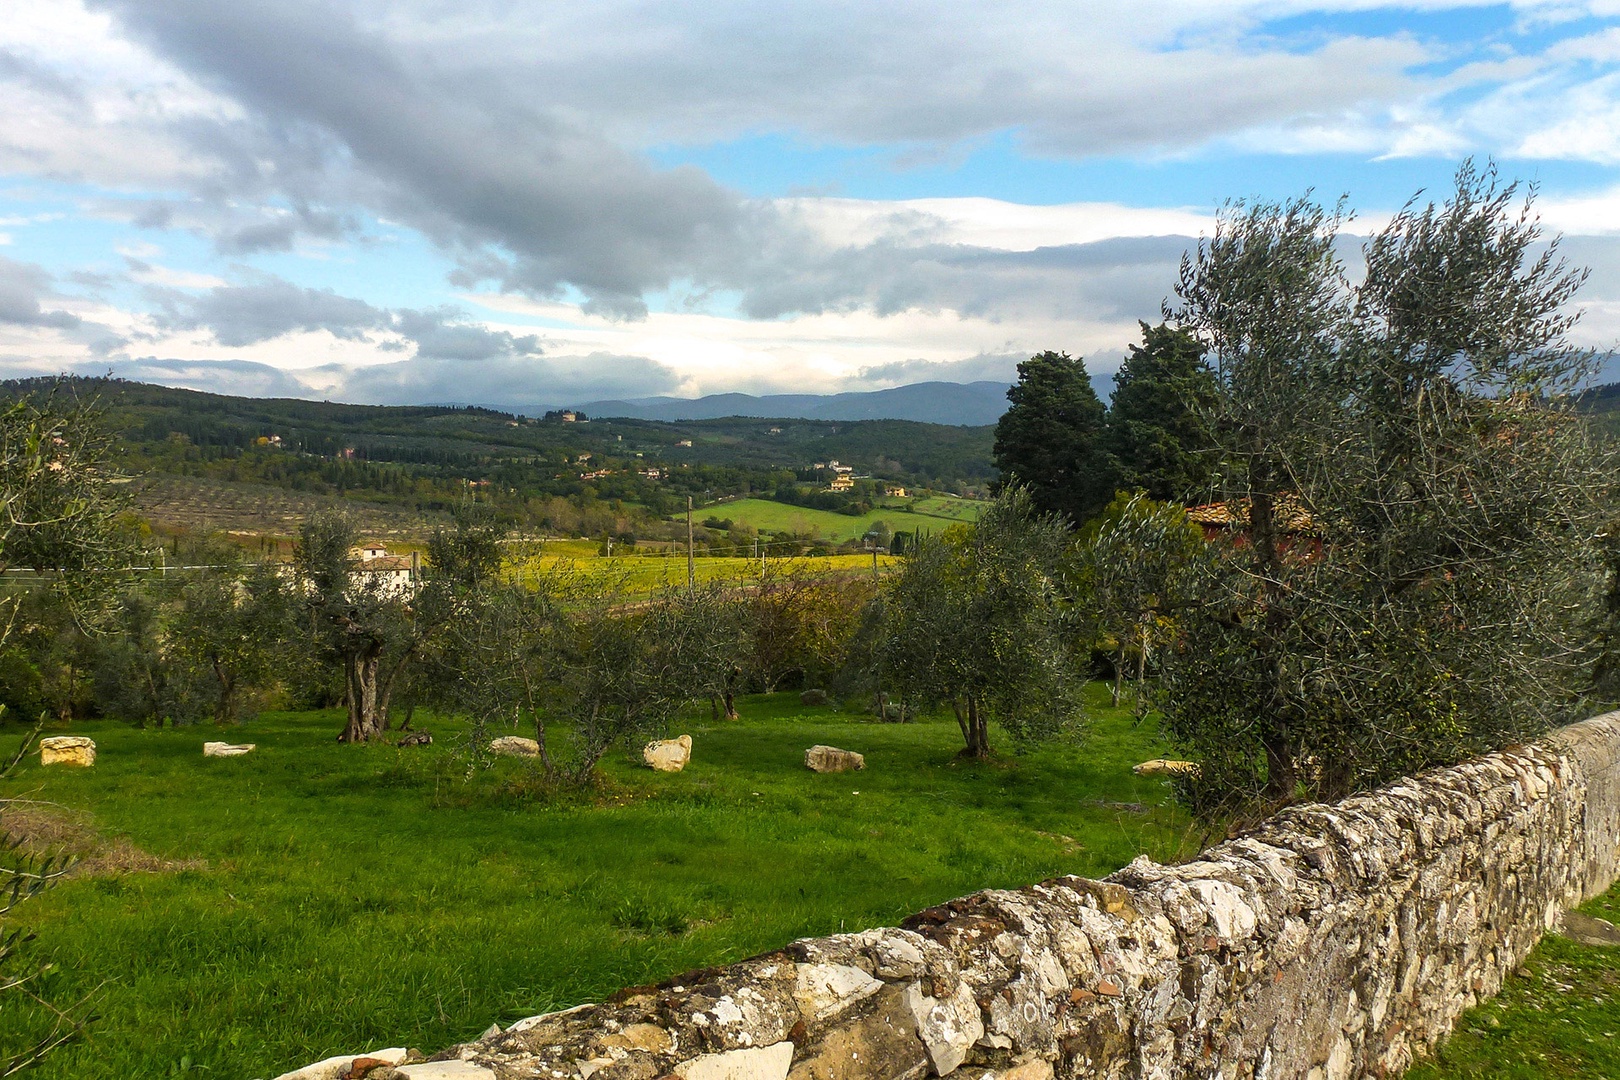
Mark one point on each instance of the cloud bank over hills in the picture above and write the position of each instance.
(564, 201)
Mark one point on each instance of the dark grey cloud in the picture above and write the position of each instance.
(442, 334)
(263, 310)
(508, 383)
(987, 367)
(240, 315)
(242, 377)
(31, 73)
(1075, 79)
(23, 289)
(500, 131)
(528, 199)
(1123, 278)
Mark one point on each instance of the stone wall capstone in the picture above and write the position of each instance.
(1331, 942)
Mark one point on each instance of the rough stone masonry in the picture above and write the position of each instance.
(1331, 942)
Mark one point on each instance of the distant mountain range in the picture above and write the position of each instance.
(964, 404)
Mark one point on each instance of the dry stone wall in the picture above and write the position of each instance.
(1332, 942)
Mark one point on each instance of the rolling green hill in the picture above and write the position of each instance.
(577, 478)
(901, 515)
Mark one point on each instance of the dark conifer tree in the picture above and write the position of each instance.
(1051, 439)
(1158, 428)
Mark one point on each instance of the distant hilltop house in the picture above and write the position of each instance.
(841, 482)
(652, 474)
(894, 491)
(566, 416)
(686, 443)
(392, 575)
(268, 440)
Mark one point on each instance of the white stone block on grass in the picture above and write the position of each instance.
(668, 755)
(335, 1068)
(67, 750)
(514, 746)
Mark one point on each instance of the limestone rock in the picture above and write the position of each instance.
(514, 746)
(826, 990)
(225, 749)
(754, 1063)
(647, 1038)
(826, 759)
(884, 1039)
(1165, 766)
(326, 1069)
(948, 1027)
(444, 1070)
(813, 697)
(668, 755)
(67, 750)
(1589, 931)
(1037, 1069)
(339, 1067)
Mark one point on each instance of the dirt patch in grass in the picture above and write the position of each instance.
(45, 830)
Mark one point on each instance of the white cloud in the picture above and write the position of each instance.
(508, 134)
(169, 277)
(987, 223)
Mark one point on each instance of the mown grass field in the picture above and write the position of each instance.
(935, 514)
(349, 898)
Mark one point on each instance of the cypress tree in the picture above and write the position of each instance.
(1051, 439)
(1158, 431)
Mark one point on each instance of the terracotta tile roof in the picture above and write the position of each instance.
(1291, 514)
(386, 562)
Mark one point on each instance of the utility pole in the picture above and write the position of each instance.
(691, 572)
(874, 562)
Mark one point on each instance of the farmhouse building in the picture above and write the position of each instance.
(1231, 520)
(392, 575)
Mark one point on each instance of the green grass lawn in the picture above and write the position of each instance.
(766, 515)
(350, 898)
(1559, 1016)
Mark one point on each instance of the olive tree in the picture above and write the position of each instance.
(1135, 559)
(59, 508)
(224, 639)
(975, 619)
(354, 620)
(1419, 424)
(60, 502)
(626, 668)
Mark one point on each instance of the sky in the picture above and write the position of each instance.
(526, 203)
